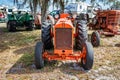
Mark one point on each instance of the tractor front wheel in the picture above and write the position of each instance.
(11, 26)
(29, 25)
(88, 59)
(95, 39)
(39, 61)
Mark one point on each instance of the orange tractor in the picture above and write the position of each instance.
(62, 37)
(106, 23)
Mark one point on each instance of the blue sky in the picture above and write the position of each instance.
(11, 4)
(6, 2)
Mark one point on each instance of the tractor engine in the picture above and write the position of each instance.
(63, 35)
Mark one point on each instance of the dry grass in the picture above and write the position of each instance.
(17, 59)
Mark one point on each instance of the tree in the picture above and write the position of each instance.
(32, 4)
(44, 4)
(116, 5)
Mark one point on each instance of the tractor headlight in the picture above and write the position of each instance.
(56, 16)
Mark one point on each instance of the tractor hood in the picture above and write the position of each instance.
(64, 23)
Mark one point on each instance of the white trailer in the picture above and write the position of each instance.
(80, 7)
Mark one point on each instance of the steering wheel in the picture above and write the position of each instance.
(96, 8)
(68, 11)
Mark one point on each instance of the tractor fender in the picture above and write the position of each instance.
(51, 18)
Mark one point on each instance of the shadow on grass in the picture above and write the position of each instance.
(89, 37)
(25, 65)
(117, 45)
(15, 39)
(109, 45)
(3, 29)
(12, 39)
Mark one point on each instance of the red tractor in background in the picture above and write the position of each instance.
(51, 16)
(106, 22)
(37, 20)
(62, 37)
(2, 16)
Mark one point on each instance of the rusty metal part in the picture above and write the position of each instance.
(108, 21)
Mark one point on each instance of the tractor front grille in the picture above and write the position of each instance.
(63, 38)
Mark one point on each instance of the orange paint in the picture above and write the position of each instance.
(64, 23)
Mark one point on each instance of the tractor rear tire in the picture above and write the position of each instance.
(87, 62)
(82, 34)
(39, 61)
(95, 39)
(37, 26)
(46, 35)
(11, 26)
(29, 25)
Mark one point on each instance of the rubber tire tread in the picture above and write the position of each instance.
(39, 61)
(89, 57)
(82, 34)
(46, 35)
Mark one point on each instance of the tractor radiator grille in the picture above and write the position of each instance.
(63, 38)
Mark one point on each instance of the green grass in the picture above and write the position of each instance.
(101, 42)
(4, 30)
(24, 40)
(27, 59)
(18, 39)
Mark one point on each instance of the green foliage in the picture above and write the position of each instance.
(116, 4)
(27, 59)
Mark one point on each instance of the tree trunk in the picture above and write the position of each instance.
(35, 6)
(44, 9)
(31, 7)
(62, 4)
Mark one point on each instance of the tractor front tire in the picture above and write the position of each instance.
(46, 35)
(87, 61)
(37, 26)
(29, 25)
(95, 39)
(11, 26)
(81, 30)
(39, 61)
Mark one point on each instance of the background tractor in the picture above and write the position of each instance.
(20, 19)
(106, 22)
(3, 17)
(62, 37)
(52, 15)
